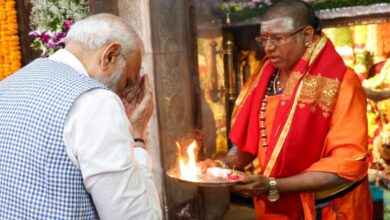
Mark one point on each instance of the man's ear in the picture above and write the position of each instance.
(110, 55)
(309, 33)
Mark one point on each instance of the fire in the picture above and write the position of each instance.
(189, 170)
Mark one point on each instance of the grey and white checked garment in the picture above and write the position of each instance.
(37, 179)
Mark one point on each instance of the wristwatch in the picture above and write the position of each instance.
(273, 194)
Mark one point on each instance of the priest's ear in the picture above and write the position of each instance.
(308, 33)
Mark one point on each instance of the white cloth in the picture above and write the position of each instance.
(97, 138)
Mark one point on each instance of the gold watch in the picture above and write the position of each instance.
(273, 194)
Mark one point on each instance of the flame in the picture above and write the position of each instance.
(188, 170)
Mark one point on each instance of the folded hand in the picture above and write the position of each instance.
(138, 102)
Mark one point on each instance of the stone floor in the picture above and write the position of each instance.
(240, 208)
(239, 211)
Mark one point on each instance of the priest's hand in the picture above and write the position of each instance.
(251, 186)
(208, 163)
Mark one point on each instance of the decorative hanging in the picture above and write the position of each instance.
(240, 10)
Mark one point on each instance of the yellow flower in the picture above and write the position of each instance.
(10, 56)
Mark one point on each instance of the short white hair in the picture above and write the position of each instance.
(97, 31)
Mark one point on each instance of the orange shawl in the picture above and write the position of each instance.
(301, 122)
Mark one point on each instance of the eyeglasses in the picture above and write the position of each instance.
(277, 39)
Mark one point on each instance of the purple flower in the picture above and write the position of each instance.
(45, 37)
(34, 34)
(61, 41)
(60, 35)
(61, 44)
(67, 24)
(268, 2)
(51, 44)
(50, 40)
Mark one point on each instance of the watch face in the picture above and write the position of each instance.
(273, 196)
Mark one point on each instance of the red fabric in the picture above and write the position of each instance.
(245, 132)
(307, 132)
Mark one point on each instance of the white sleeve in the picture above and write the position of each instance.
(117, 176)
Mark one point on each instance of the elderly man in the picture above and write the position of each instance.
(69, 147)
(303, 115)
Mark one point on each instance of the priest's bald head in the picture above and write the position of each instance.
(300, 12)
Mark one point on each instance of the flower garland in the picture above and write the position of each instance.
(49, 41)
(10, 55)
(240, 10)
(52, 20)
(329, 4)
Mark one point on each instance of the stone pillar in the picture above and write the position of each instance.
(99, 6)
(168, 31)
(23, 8)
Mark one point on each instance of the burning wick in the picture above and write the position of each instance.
(189, 170)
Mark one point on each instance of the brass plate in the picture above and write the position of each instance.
(207, 179)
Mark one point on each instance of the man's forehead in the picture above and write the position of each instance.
(277, 25)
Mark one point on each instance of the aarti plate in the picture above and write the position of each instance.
(213, 177)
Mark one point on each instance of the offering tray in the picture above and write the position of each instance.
(213, 177)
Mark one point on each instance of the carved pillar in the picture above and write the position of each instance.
(99, 6)
(168, 31)
(177, 89)
(23, 8)
(136, 12)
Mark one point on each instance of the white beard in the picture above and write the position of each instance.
(112, 81)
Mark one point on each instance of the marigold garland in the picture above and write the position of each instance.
(10, 55)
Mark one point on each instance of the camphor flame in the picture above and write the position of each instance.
(188, 170)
